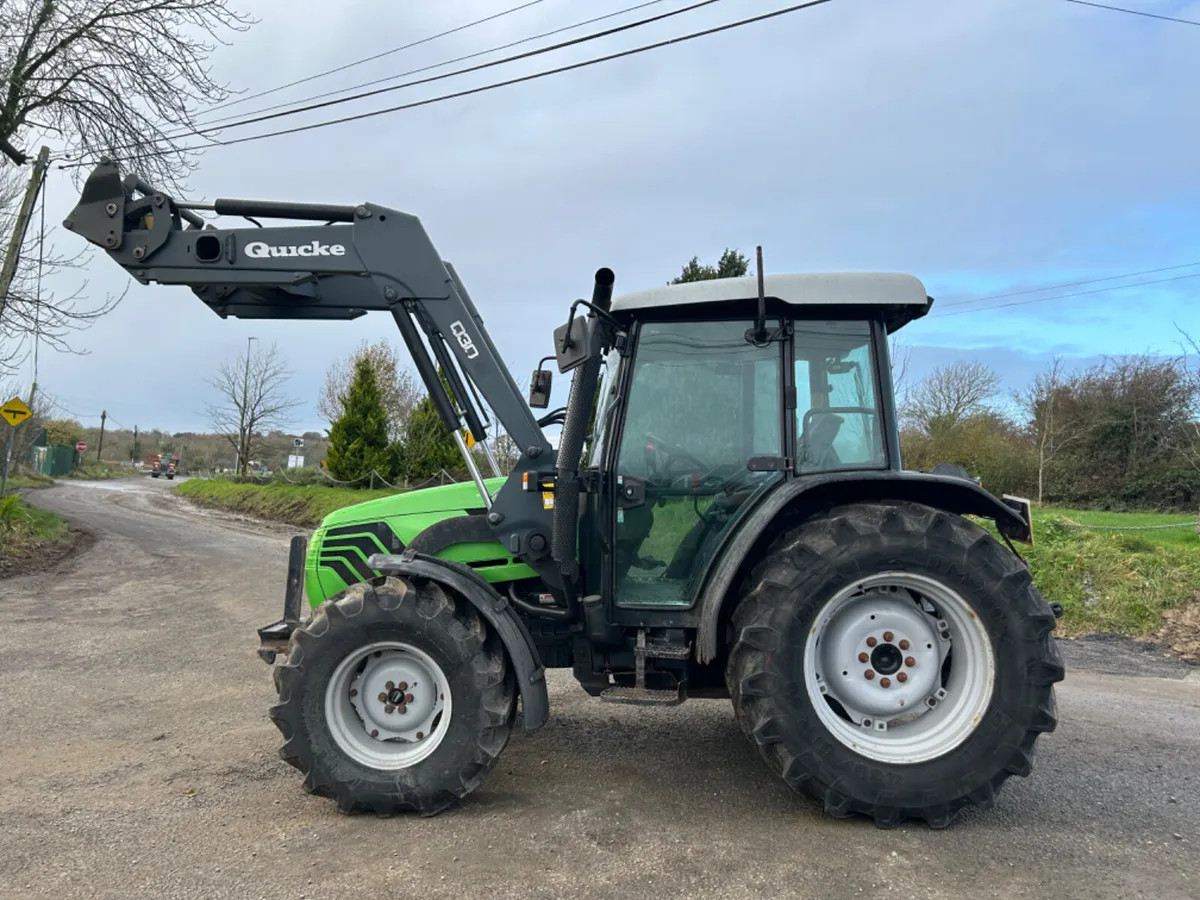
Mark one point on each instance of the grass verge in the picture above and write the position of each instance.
(26, 479)
(101, 472)
(29, 536)
(290, 504)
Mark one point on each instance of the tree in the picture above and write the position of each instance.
(427, 448)
(358, 438)
(252, 400)
(112, 77)
(67, 432)
(732, 264)
(1051, 429)
(950, 395)
(399, 389)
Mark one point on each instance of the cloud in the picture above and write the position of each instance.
(984, 146)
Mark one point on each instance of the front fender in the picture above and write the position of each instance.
(500, 615)
(812, 493)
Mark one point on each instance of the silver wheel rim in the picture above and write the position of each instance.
(875, 668)
(388, 705)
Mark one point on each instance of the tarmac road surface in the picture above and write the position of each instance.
(137, 760)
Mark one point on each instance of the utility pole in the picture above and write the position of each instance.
(9, 269)
(100, 443)
(133, 452)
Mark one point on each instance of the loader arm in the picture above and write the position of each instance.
(352, 260)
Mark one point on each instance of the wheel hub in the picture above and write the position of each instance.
(388, 706)
(861, 661)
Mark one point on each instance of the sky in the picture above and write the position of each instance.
(990, 147)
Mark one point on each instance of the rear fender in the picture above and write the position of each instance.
(811, 494)
(497, 611)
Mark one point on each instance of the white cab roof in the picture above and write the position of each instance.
(904, 294)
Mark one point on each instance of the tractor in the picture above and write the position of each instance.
(724, 515)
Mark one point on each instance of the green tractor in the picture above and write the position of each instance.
(739, 526)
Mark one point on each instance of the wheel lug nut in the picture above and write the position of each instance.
(374, 732)
(863, 657)
(869, 674)
(902, 677)
(885, 682)
(389, 709)
(871, 642)
(420, 735)
(408, 698)
(403, 685)
(390, 685)
(904, 645)
(887, 636)
(383, 697)
(354, 692)
(402, 709)
(909, 661)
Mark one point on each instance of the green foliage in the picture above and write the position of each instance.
(64, 431)
(732, 264)
(304, 506)
(426, 448)
(12, 513)
(358, 438)
(985, 444)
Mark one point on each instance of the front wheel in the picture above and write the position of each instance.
(894, 661)
(394, 698)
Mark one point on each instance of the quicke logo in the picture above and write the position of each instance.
(261, 250)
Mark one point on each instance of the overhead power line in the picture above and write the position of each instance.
(1115, 287)
(367, 59)
(417, 71)
(1135, 12)
(645, 48)
(1067, 284)
(583, 39)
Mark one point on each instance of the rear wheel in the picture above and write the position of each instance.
(394, 698)
(895, 661)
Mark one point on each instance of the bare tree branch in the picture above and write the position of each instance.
(950, 395)
(253, 402)
(121, 78)
(399, 387)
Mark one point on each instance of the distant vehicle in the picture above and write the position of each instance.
(163, 464)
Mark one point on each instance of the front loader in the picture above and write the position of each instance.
(739, 526)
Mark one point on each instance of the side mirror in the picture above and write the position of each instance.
(539, 388)
(578, 339)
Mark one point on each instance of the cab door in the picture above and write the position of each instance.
(701, 429)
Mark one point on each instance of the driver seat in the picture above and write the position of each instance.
(816, 444)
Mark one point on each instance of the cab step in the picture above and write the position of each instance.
(639, 694)
(643, 696)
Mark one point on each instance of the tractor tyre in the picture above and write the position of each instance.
(894, 661)
(394, 697)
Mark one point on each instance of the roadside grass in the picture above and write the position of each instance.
(26, 479)
(290, 504)
(23, 528)
(1181, 536)
(94, 471)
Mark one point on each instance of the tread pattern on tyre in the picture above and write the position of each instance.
(363, 608)
(803, 557)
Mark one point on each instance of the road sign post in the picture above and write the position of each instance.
(14, 413)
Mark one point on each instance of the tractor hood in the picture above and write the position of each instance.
(445, 498)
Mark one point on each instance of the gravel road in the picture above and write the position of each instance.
(136, 760)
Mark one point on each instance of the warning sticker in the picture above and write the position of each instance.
(547, 499)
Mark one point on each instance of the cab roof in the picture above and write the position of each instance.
(900, 297)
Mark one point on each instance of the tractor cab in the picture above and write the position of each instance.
(705, 409)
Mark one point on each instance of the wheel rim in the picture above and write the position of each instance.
(899, 668)
(388, 705)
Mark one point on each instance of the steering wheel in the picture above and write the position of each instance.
(654, 443)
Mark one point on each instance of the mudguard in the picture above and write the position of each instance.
(499, 613)
(816, 492)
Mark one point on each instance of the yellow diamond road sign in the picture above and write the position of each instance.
(14, 411)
